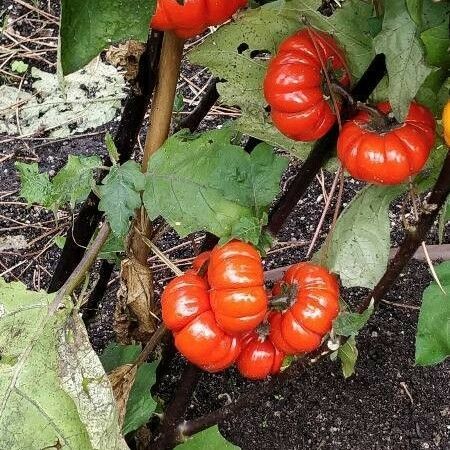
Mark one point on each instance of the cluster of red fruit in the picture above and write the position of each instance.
(219, 311)
(303, 87)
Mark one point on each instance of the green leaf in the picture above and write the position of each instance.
(203, 182)
(89, 26)
(437, 42)
(72, 184)
(433, 329)
(247, 229)
(60, 241)
(348, 354)
(358, 249)
(120, 195)
(415, 8)
(112, 149)
(349, 324)
(430, 91)
(434, 13)
(116, 355)
(250, 229)
(260, 127)
(53, 388)
(35, 187)
(404, 57)
(19, 66)
(210, 439)
(111, 247)
(178, 103)
(237, 53)
(140, 404)
(266, 170)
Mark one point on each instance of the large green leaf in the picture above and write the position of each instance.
(415, 8)
(71, 184)
(238, 54)
(116, 355)
(209, 439)
(89, 26)
(404, 56)
(433, 329)
(430, 93)
(437, 42)
(358, 249)
(120, 195)
(203, 182)
(74, 181)
(53, 389)
(140, 405)
(434, 13)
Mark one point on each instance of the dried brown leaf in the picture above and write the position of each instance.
(126, 56)
(134, 317)
(122, 380)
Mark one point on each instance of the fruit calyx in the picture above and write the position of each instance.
(285, 299)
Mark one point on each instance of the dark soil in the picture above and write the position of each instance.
(388, 404)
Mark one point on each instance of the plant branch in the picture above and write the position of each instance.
(191, 122)
(170, 432)
(90, 307)
(162, 104)
(151, 344)
(80, 272)
(209, 98)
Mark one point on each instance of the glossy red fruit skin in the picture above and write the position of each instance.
(187, 312)
(199, 263)
(200, 260)
(389, 157)
(194, 16)
(301, 327)
(259, 358)
(238, 297)
(294, 84)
